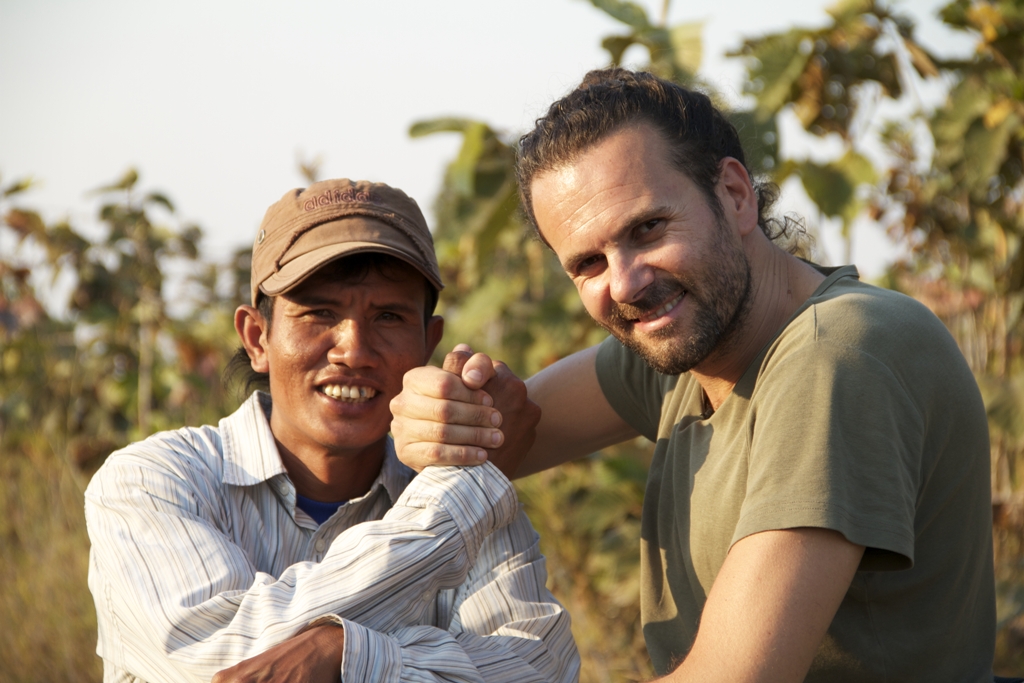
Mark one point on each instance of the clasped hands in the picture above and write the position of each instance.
(469, 411)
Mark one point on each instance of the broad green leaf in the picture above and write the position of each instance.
(627, 12)
(18, 187)
(760, 140)
(828, 187)
(126, 182)
(161, 199)
(787, 168)
(848, 10)
(955, 13)
(841, 198)
(656, 40)
(491, 219)
(857, 168)
(63, 242)
(617, 46)
(687, 45)
(442, 125)
(967, 101)
(780, 60)
(984, 151)
(462, 171)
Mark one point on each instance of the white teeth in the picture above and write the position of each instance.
(665, 308)
(348, 393)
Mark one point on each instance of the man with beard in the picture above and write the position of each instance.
(818, 502)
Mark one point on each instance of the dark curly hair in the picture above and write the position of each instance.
(698, 133)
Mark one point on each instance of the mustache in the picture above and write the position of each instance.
(656, 294)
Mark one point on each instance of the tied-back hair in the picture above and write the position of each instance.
(607, 100)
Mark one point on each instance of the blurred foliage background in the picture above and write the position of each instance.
(107, 338)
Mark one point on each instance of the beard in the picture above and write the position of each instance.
(718, 296)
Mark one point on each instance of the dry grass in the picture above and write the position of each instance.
(50, 632)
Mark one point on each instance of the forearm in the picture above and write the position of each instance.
(504, 625)
(191, 600)
(770, 607)
(428, 653)
(576, 419)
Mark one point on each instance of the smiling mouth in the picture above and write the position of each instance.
(348, 393)
(663, 309)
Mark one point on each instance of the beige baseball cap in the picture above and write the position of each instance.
(309, 227)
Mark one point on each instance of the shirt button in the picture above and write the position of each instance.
(319, 545)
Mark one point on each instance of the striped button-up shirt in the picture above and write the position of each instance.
(200, 559)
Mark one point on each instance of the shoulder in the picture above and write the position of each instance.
(190, 457)
(857, 313)
(859, 323)
(869, 361)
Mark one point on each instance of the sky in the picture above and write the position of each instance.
(214, 102)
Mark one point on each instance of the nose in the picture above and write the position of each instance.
(351, 345)
(628, 276)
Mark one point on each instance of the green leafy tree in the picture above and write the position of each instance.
(82, 375)
(831, 79)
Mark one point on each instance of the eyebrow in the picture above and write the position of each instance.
(636, 218)
(309, 299)
(313, 300)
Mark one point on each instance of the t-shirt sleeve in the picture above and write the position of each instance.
(634, 390)
(835, 443)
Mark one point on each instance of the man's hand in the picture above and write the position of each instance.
(451, 416)
(313, 656)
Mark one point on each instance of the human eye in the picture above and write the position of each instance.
(587, 266)
(649, 228)
(318, 313)
(392, 316)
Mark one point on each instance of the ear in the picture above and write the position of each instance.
(434, 331)
(735, 191)
(250, 326)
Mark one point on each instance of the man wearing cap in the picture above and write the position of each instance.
(288, 543)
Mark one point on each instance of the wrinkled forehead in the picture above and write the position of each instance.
(605, 186)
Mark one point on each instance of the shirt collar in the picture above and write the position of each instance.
(251, 456)
(250, 452)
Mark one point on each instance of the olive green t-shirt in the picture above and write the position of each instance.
(860, 416)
